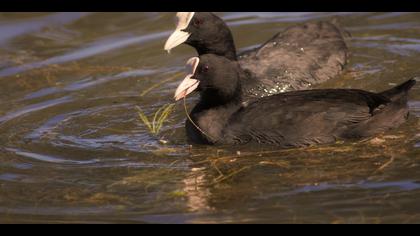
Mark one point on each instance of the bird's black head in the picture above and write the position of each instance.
(215, 77)
(204, 31)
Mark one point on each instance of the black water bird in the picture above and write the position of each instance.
(291, 119)
(295, 59)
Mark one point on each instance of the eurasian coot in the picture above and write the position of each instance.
(291, 119)
(294, 59)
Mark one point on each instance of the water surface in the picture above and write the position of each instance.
(73, 149)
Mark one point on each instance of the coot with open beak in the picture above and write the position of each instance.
(291, 119)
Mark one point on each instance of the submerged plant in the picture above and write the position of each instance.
(160, 116)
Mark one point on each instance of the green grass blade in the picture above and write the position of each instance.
(159, 117)
(165, 113)
(155, 117)
(144, 118)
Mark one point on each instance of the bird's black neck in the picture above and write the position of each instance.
(210, 116)
(227, 51)
(212, 98)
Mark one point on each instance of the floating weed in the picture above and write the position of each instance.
(178, 194)
(164, 151)
(160, 116)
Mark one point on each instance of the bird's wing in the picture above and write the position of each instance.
(301, 119)
(299, 57)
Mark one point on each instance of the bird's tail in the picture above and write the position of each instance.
(399, 91)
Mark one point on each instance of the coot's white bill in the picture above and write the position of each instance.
(178, 37)
(188, 85)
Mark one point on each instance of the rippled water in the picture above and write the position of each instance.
(73, 148)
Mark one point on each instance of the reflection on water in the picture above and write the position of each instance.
(89, 82)
(32, 108)
(102, 46)
(45, 158)
(73, 148)
(13, 28)
(399, 186)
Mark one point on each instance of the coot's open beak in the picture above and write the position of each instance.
(179, 36)
(188, 85)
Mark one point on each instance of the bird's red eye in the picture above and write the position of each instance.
(197, 22)
(205, 68)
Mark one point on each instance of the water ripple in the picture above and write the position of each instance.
(51, 159)
(414, 107)
(407, 185)
(90, 82)
(10, 177)
(34, 107)
(11, 30)
(92, 50)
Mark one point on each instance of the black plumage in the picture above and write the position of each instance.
(291, 119)
(295, 59)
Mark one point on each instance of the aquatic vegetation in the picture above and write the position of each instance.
(112, 170)
(160, 116)
(178, 194)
